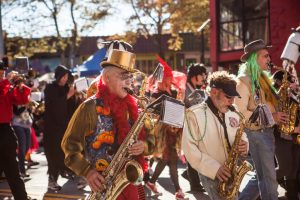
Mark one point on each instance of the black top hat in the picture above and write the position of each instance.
(253, 47)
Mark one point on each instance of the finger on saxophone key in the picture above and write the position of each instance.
(95, 180)
(137, 148)
(223, 173)
(242, 148)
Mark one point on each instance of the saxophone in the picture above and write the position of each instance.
(288, 106)
(228, 190)
(123, 169)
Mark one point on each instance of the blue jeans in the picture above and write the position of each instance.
(24, 140)
(211, 187)
(262, 150)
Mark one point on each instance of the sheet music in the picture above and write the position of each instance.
(81, 84)
(173, 114)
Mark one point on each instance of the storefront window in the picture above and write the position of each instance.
(242, 21)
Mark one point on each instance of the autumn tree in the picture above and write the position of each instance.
(188, 16)
(156, 17)
(152, 17)
(65, 21)
(6, 6)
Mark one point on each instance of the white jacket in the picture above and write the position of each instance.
(203, 139)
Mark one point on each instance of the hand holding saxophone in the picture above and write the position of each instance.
(95, 180)
(137, 148)
(243, 148)
(280, 117)
(223, 174)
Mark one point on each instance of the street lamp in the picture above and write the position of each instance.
(201, 29)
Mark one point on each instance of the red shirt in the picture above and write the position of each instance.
(9, 97)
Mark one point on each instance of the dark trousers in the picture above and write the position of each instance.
(288, 157)
(8, 161)
(193, 176)
(24, 140)
(55, 157)
(173, 172)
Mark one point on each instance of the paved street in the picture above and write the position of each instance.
(36, 185)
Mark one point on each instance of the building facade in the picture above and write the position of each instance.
(146, 50)
(234, 23)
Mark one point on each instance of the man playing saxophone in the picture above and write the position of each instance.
(209, 132)
(287, 150)
(257, 103)
(101, 123)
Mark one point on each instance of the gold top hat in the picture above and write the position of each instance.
(121, 59)
(252, 47)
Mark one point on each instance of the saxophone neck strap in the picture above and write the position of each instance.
(221, 118)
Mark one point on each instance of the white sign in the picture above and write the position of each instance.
(81, 84)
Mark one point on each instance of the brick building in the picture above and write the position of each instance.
(234, 23)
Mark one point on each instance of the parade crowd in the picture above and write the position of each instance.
(249, 119)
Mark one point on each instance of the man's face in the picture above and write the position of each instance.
(221, 100)
(199, 80)
(118, 80)
(2, 75)
(263, 58)
(63, 80)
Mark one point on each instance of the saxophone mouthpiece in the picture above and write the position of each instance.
(270, 66)
(231, 108)
(129, 91)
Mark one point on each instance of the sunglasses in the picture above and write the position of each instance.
(125, 75)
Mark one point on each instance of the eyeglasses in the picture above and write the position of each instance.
(125, 75)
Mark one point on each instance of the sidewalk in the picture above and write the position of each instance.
(36, 185)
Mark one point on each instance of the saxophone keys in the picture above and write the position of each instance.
(131, 141)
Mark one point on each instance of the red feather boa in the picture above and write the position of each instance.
(120, 109)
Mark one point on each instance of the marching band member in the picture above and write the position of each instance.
(100, 124)
(254, 87)
(196, 79)
(168, 138)
(287, 150)
(209, 132)
(9, 96)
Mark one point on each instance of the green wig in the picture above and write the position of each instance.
(251, 68)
